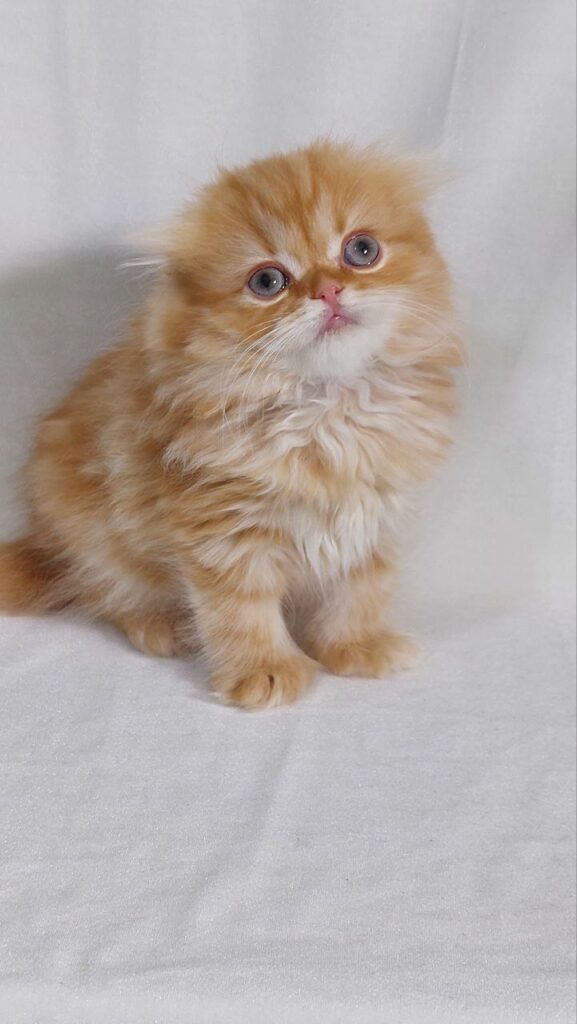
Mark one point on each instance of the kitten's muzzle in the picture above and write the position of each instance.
(336, 316)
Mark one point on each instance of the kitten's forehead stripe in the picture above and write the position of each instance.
(316, 234)
(291, 207)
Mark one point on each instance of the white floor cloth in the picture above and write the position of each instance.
(389, 852)
(383, 852)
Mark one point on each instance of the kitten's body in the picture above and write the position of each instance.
(225, 464)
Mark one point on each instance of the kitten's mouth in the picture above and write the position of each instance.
(335, 321)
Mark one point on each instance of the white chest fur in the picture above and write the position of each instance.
(335, 468)
(338, 532)
(344, 536)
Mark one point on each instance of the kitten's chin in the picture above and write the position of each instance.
(341, 353)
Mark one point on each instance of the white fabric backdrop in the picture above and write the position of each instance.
(396, 851)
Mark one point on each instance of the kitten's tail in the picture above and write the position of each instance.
(29, 581)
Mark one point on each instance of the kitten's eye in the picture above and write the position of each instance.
(361, 251)
(266, 282)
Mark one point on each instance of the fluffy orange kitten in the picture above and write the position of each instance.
(253, 446)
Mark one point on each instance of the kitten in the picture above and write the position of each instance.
(255, 442)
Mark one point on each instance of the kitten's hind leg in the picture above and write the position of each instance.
(161, 634)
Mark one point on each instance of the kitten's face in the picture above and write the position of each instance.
(314, 263)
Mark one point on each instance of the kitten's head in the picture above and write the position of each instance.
(315, 263)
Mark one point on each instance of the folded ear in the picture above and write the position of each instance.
(167, 247)
(147, 251)
(152, 245)
(418, 175)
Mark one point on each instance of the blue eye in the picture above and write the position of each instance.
(267, 282)
(361, 251)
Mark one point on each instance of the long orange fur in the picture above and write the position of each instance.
(228, 462)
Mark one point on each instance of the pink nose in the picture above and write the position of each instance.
(328, 291)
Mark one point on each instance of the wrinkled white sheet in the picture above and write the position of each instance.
(396, 851)
(392, 852)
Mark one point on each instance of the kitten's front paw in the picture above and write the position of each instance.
(373, 657)
(270, 685)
